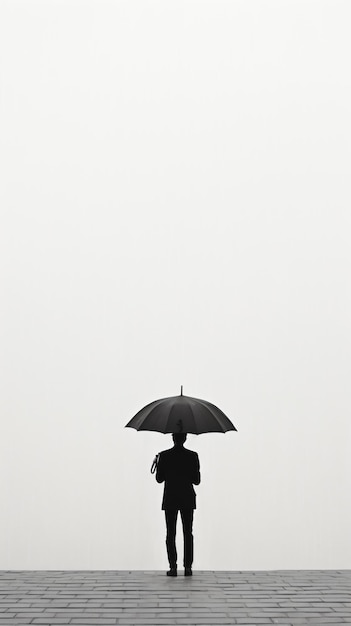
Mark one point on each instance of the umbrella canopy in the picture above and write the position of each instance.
(181, 414)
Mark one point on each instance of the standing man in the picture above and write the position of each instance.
(179, 469)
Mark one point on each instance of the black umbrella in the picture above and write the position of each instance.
(181, 414)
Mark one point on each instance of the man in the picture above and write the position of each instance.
(179, 469)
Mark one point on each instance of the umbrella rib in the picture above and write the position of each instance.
(192, 413)
(169, 415)
(146, 411)
(207, 405)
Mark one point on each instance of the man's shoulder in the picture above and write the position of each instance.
(166, 452)
(190, 452)
(190, 455)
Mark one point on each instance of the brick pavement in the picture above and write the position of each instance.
(140, 598)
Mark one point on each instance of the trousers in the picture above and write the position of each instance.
(187, 516)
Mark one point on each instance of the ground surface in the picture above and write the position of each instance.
(148, 597)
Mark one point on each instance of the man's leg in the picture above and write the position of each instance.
(171, 524)
(187, 520)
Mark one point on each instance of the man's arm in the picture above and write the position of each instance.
(160, 470)
(196, 476)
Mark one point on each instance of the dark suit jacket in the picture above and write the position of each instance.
(179, 468)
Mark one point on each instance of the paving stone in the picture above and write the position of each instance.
(32, 616)
(248, 620)
(96, 621)
(51, 620)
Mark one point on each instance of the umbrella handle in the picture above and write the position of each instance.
(154, 464)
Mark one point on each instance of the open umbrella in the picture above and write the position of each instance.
(181, 414)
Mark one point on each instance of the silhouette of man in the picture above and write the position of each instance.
(179, 469)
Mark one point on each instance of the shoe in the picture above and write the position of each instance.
(188, 571)
(172, 572)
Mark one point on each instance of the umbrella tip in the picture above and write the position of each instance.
(181, 390)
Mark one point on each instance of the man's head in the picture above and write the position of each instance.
(179, 438)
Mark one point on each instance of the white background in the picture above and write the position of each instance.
(175, 209)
